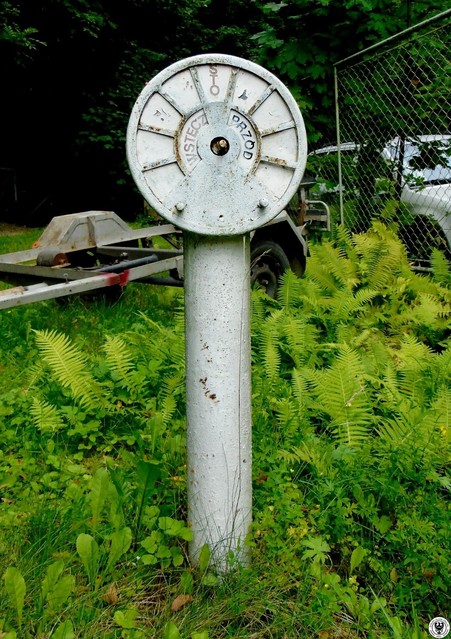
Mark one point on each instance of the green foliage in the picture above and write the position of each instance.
(374, 374)
(15, 589)
(294, 44)
(351, 408)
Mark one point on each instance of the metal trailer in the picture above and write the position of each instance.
(96, 252)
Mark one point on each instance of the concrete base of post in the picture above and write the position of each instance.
(218, 387)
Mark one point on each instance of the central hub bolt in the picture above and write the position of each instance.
(219, 146)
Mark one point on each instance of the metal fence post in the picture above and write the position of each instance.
(392, 155)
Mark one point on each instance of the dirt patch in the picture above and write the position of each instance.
(11, 229)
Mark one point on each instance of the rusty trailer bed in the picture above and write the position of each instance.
(85, 252)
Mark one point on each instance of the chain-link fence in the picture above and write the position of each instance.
(392, 155)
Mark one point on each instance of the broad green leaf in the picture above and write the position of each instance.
(318, 549)
(64, 631)
(52, 574)
(204, 558)
(356, 558)
(88, 551)
(58, 596)
(175, 528)
(169, 526)
(209, 580)
(126, 619)
(163, 552)
(148, 473)
(171, 631)
(15, 588)
(187, 582)
(99, 493)
(152, 542)
(200, 635)
(120, 542)
(383, 524)
(177, 557)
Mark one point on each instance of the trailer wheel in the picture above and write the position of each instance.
(268, 262)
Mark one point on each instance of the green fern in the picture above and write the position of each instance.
(329, 269)
(69, 368)
(381, 256)
(440, 268)
(269, 342)
(341, 393)
(120, 358)
(165, 344)
(346, 245)
(423, 431)
(313, 298)
(46, 418)
(171, 388)
(346, 303)
(428, 310)
(290, 289)
(301, 337)
(413, 354)
(300, 387)
(317, 456)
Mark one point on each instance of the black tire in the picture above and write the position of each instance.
(268, 262)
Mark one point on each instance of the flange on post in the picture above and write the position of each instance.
(217, 146)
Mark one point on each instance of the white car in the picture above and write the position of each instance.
(424, 181)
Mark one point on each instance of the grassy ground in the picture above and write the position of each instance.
(346, 543)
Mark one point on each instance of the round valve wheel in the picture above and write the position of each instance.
(216, 145)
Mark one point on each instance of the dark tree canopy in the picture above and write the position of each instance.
(72, 70)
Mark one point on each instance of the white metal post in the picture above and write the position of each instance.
(218, 389)
(217, 146)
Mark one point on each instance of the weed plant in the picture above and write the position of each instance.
(351, 405)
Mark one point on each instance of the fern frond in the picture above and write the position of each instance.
(382, 255)
(428, 309)
(286, 412)
(414, 354)
(441, 410)
(331, 271)
(259, 307)
(270, 338)
(170, 389)
(376, 356)
(69, 367)
(391, 392)
(318, 456)
(313, 298)
(46, 417)
(346, 303)
(345, 244)
(120, 359)
(440, 268)
(341, 393)
(301, 391)
(301, 337)
(290, 289)
(425, 431)
(164, 344)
